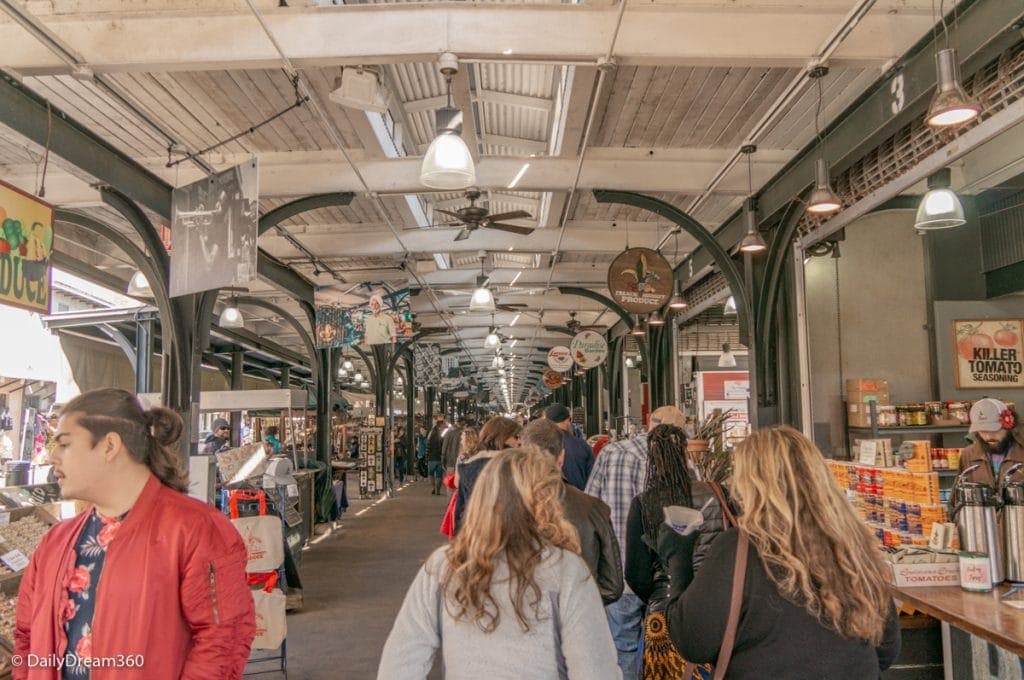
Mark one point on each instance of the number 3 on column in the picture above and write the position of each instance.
(898, 99)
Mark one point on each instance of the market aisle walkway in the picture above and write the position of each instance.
(354, 582)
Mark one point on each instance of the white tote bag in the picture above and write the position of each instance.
(271, 624)
(264, 542)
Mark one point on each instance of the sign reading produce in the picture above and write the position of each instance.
(589, 349)
(989, 353)
(640, 280)
(26, 243)
(560, 358)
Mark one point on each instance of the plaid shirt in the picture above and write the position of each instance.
(619, 474)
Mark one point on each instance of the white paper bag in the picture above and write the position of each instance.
(264, 542)
(271, 624)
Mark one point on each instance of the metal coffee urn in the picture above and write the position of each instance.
(975, 515)
(1013, 526)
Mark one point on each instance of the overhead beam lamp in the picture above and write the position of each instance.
(231, 317)
(342, 373)
(138, 285)
(950, 105)
(823, 200)
(678, 301)
(638, 326)
(358, 377)
(940, 208)
(630, 363)
(347, 364)
(364, 385)
(727, 359)
(730, 305)
(655, 319)
(483, 299)
(448, 164)
(752, 241)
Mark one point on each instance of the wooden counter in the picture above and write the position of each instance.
(980, 614)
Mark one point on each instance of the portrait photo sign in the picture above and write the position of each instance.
(589, 349)
(560, 358)
(214, 227)
(383, 319)
(988, 353)
(26, 244)
(640, 280)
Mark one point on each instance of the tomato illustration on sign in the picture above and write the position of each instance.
(1006, 336)
(970, 339)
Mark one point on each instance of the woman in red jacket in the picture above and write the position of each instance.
(148, 583)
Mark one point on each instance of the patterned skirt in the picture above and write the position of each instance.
(661, 660)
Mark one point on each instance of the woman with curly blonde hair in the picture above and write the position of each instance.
(816, 602)
(510, 597)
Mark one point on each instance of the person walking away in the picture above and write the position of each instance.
(435, 457)
(999, 443)
(669, 482)
(496, 435)
(401, 453)
(816, 600)
(219, 438)
(510, 597)
(619, 474)
(421, 452)
(590, 516)
(450, 444)
(175, 592)
(579, 457)
(469, 444)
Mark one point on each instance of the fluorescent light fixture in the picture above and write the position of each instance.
(519, 176)
(515, 319)
(440, 261)
(940, 208)
(516, 277)
(231, 317)
(514, 342)
(950, 105)
(138, 285)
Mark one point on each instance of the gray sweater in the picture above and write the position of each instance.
(570, 639)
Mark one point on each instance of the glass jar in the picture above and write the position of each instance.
(887, 416)
(959, 411)
(917, 415)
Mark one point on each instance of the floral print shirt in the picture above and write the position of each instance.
(80, 583)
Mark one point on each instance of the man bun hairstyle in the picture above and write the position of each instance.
(151, 437)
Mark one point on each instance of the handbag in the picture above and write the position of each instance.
(262, 534)
(271, 622)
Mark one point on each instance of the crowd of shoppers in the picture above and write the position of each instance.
(781, 578)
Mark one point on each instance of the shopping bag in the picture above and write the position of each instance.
(271, 624)
(264, 542)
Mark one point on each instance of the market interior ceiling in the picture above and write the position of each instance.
(559, 99)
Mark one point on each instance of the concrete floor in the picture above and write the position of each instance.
(354, 582)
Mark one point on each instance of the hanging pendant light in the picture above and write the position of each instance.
(342, 373)
(823, 200)
(358, 377)
(448, 164)
(752, 241)
(678, 301)
(727, 359)
(492, 339)
(940, 208)
(138, 285)
(950, 105)
(231, 317)
(655, 319)
(638, 326)
(346, 363)
(730, 306)
(629, 362)
(483, 299)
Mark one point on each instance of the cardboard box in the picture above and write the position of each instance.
(866, 385)
(880, 397)
(913, 575)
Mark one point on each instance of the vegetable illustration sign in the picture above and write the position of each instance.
(989, 353)
(26, 242)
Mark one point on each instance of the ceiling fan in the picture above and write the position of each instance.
(473, 217)
(572, 327)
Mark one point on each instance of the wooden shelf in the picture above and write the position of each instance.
(917, 429)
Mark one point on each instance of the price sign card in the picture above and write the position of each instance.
(15, 560)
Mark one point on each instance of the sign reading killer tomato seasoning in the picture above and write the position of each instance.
(640, 280)
(589, 349)
(989, 353)
(26, 243)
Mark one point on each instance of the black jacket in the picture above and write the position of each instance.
(775, 638)
(645, 573)
(450, 446)
(598, 547)
(434, 440)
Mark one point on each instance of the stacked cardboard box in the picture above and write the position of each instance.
(860, 392)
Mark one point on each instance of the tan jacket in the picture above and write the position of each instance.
(984, 474)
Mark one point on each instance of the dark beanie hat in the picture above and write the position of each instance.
(556, 413)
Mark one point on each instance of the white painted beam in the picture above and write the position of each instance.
(725, 35)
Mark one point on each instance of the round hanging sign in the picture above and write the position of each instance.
(560, 358)
(552, 379)
(640, 280)
(589, 349)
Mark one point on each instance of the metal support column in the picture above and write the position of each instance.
(237, 373)
(144, 356)
(286, 376)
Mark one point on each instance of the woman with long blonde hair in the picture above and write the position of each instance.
(816, 602)
(510, 597)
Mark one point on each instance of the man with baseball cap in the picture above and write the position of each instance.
(619, 474)
(579, 457)
(998, 442)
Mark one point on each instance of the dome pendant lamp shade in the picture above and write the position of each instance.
(448, 163)
(138, 285)
(940, 208)
(823, 200)
(231, 317)
(655, 319)
(638, 326)
(950, 105)
(482, 300)
(726, 359)
(678, 301)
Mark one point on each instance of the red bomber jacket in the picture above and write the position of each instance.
(172, 602)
